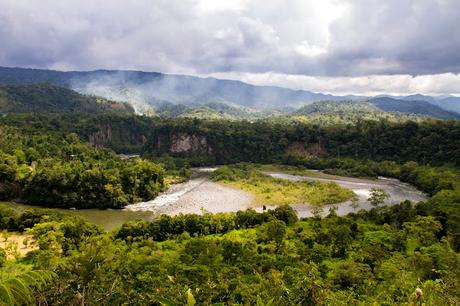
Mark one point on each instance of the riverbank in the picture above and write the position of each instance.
(199, 194)
(397, 191)
(196, 196)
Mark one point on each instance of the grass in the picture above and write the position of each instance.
(273, 191)
(293, 170)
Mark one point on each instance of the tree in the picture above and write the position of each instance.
(354, 202)
(378, 196)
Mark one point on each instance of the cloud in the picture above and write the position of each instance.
(400, 84)
(308, 38)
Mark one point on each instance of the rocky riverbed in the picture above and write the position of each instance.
(397, 191)
(199, 194)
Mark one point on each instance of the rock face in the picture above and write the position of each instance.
(101, 138)
(183, 142)
(300, 149)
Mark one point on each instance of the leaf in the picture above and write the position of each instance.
(6, 296)
(164, 301)
(18, 290)
(190, 298)
(261, 303)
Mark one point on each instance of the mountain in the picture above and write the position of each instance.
(212, 110)
(145, 90)
(52, 98)
(418, 97)
(148, 92)
(418, 107)
(332, 107)
(381, 107)
(449, 103)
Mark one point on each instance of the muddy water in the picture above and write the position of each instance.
(200, 194)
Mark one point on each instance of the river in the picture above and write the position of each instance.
(200, 194)
(397, 191)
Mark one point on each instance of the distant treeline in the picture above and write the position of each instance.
(434, 142)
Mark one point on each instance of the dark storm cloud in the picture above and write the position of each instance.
(324, 38)
(397, 36)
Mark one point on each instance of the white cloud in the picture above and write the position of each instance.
(374, 45)
(212, 6)
(437, 84)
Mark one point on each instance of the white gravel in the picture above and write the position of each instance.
(196, 196)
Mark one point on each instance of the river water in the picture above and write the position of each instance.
(200, 194)
(397, 191)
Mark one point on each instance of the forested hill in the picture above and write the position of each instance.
(382, 107)
(415, 107)
(222, 141)
(197, 97)
(52, 98)
(153, 88)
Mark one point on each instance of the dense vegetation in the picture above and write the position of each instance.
(248, 258)
(379, 257)
(210, 111)
(57, 170)
(49, 98)
(379, 107)
(432, 142)
(273, 191)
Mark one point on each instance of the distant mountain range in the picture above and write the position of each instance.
(147, 89)
(150, 92)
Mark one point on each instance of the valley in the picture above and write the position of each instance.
(323, 202)
(230, 153)
(200, 194)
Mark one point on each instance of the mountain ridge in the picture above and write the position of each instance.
(53, 98)
(146, 91)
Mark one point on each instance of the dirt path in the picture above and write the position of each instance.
(16, 245)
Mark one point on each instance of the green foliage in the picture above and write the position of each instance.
(427, 142)
(269, 258)
(19, 289)
(377, 196)
(166, 227)
(248, 258)
(273, 191)
(60, 171)
(210, 111)
(50, 98)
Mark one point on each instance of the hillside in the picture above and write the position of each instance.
(152, 88)
(331, 107)
(449, 103)
(149, 91)
(212, 110)
(378, 108)
(51, 98)
(418, 107)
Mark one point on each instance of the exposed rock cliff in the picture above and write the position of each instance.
(101, 138)
(300, 149)
(183, 142)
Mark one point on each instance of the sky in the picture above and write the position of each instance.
(332, 46)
